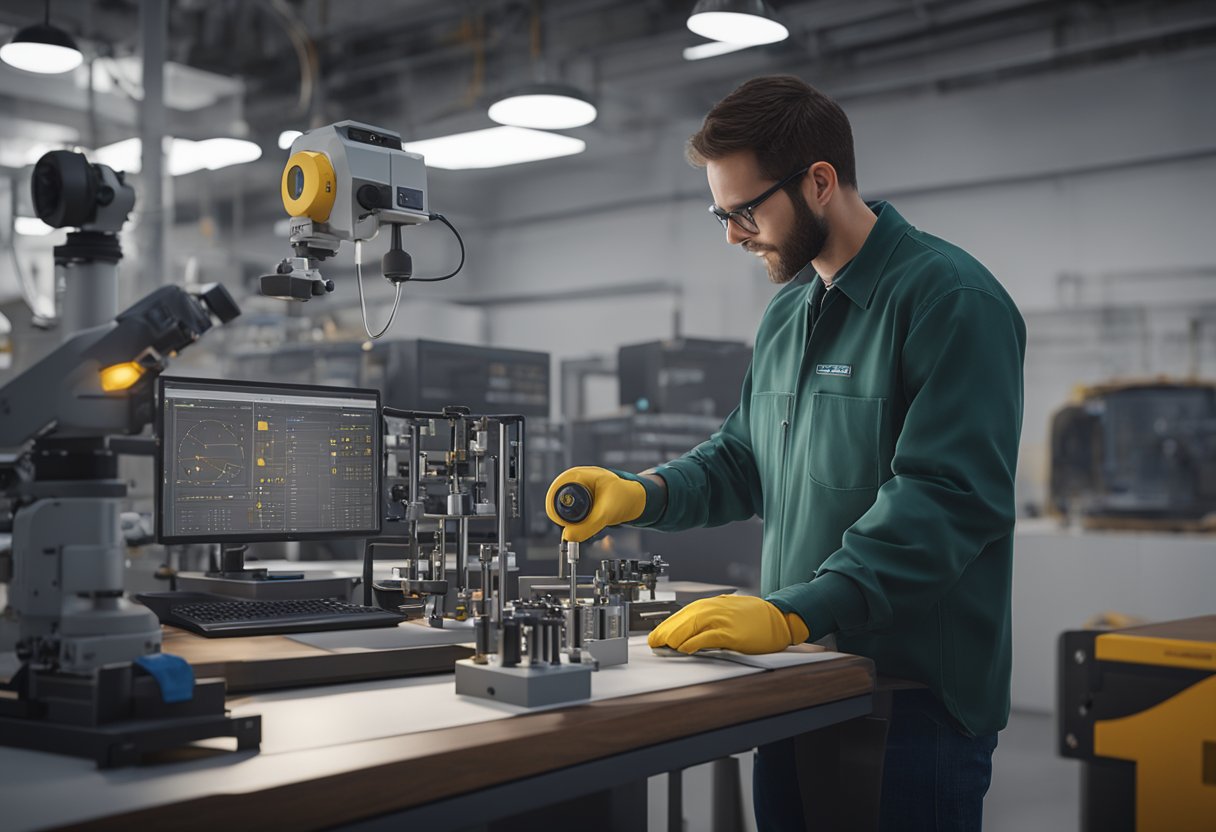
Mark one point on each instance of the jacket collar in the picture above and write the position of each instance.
(859, 277)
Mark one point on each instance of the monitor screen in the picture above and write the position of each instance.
(242, 461)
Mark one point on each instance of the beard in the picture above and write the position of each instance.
(805, 242)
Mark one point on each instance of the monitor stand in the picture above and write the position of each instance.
(236, 580)
(233, 568)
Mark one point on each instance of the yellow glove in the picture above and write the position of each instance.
(735, 622)
(613, 501)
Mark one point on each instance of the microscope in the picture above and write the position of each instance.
(343, 182)
(92, 680)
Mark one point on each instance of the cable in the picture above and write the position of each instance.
(306, 53)
(459, 266)
(362, 304)
(397, 297)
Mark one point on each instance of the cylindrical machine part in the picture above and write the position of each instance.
(575, 632)
(462, 552)
(415, 457)
(572, 559)
(509, 648)
(545, 643)
(555, 642)
(500, 499)
(481, 635)
(459, 504)
(535, 642)
(575, 638)
(88, 294)
(484, 556)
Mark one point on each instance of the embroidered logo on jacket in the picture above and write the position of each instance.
(834, 369)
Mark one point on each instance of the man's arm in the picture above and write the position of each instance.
(952, 490)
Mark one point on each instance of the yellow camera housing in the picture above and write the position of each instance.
(309, 186)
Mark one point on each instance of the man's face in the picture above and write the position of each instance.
(788, 235)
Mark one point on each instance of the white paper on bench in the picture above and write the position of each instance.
(293, 720)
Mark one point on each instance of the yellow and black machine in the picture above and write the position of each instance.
(1138, 707)
(1136, 455)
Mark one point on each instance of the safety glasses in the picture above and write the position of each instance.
(743, 216)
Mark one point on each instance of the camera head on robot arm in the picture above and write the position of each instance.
(344, 182)
(71, 192)
(93, 201)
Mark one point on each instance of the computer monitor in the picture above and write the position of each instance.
(240, 462)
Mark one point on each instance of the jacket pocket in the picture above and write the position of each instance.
(846, 433)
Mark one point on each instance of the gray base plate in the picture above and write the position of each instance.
(526, 686)
(608, 651)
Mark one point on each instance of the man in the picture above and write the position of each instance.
(877, 436)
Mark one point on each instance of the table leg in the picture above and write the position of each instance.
(727, 796)
(675, 801)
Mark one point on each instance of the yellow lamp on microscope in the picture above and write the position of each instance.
(120, 376)
(309, 185)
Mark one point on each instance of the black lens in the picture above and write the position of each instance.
(295, 182)
(64, 187)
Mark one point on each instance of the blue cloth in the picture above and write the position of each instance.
(173, 675)
(934, 776)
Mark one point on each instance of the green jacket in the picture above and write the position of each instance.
(880, 446)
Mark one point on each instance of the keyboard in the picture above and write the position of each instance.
(217, 616)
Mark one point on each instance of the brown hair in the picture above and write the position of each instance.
(785, 121)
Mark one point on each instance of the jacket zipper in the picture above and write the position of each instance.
(785, 452)
(790, 407)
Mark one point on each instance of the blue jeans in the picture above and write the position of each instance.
(934, 776)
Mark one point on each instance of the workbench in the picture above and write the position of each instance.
(377, 755)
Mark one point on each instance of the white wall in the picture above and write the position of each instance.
(1064, 578)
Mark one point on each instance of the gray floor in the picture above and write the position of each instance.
(1032, 788)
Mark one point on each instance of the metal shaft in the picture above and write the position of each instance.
(572, 559)
(504, 449)
(415, 477)
(462, 553)
(574, 638)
